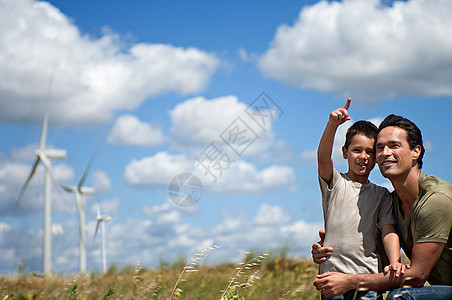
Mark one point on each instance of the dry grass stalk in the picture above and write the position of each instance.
(191, 267)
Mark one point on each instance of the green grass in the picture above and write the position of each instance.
(260, 277)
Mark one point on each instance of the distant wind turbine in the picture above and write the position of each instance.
(100, 221)
(80, 191)
(45, 156)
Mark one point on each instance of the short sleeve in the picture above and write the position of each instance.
(385, 215)
(325, 187)
(434, 221)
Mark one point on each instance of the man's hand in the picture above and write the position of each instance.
(340, 115)
(332, 284)
(320, 253)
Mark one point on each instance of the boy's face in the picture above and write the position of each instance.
(360, 155)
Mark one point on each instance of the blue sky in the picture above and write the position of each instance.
(157, 82)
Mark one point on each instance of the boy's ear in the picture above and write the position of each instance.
(344, 152)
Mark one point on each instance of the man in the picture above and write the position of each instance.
(423, 213)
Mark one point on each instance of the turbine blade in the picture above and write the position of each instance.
(67, 188)
(85, 174)
(33, 170)
(48, 166)
(98, 211)
(97, 228)
(46, 114)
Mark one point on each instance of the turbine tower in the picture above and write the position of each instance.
(45, 156)
(100, 221)
(80, 191)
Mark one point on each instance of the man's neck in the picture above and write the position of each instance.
(407, 188)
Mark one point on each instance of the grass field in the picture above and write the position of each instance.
(257, 277)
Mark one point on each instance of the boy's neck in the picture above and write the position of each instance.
(363, 179)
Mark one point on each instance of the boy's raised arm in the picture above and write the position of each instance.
(325, 163)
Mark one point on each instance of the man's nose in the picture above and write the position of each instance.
(386, 151)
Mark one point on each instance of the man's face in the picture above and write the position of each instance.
(394, 156)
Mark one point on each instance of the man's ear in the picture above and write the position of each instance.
(344, 152)
(416, 152)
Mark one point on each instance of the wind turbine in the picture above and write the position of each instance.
(100, 221)
(45, 156)
(80, 191)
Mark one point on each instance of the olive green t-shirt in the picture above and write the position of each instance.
(429, 220)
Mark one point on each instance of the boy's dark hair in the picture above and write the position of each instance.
(365, 128)
(413, 133)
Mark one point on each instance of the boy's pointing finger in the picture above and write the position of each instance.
(347, 105)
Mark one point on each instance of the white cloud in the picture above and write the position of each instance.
(244, 177)
(163, 235)
(365, 48)
(108, 206)
(271, 215)
(12, 178)
(240, 177)
(102, 182)
(94, 77)
(63, 173)
(129, 130)
(157, 170)
(198, 122)
(309, 156)
(245, 56)
(428, 145)
(26, 153)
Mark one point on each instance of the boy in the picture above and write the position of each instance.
(352, 206)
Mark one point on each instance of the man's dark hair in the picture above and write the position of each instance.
(365, 128)
(413, 133)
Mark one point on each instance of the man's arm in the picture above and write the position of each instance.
(324, 151)
(424, 257)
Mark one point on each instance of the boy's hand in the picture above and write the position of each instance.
(320, 253)
(397, 268)
(340, 115)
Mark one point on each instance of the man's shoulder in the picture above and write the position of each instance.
(431, 185)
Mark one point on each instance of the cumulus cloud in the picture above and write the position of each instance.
(365, 48)
(12, 178)
(93, 77)
(268, 214)
(198, 122)
(157, 170)
(243, 177)
(101, 181)
(128, 130)
(162, 235)
(239, 177)
(26, 153)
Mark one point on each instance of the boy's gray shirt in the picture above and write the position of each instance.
(352, 211)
